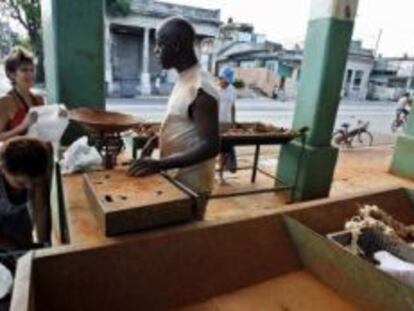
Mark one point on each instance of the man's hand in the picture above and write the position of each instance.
(144, 167)
(149, 147)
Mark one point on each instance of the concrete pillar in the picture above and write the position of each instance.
(326, 49)
(73, 34)
(108, 65)
(145, 75)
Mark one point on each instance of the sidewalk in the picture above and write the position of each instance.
(357, 171)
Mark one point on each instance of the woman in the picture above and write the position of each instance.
(15, 105)
(15, 119)
(23, 164)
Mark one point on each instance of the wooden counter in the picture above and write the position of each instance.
(106, 203)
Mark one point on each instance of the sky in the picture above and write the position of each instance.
(285, 21)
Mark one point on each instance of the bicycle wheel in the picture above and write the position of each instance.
(394, 126)
(338, 138)
(365, 139)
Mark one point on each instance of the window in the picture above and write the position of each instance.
(358, 77)
(412, 84)
(397, 82)
(270, 66)
(348, 76)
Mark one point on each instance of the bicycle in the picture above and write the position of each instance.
(399, 122)
(347, 137)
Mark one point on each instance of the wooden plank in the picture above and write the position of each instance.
(23, 298)
(166, 269)
(83, 226)
(297, 291)
(256, 139)
(126, 204)
(334, 212)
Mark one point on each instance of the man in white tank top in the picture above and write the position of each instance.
(189, 136)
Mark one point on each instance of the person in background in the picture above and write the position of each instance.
(23, 163)
(227, 117)
(158, 84)
(15, 104)
(404, 107)
(189, 137)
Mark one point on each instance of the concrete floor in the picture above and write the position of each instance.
(357, 171)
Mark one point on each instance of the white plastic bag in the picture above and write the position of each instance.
(6, 281)
(80, 157)
(51, 123)
(401, 270)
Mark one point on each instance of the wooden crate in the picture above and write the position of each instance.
(126, 204)
(280, 260)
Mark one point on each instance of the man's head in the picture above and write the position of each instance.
(226, 77)
(23, 160)
(19, 68)
(175, 42)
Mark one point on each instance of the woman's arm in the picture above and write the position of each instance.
(18, 130)
(5, 111)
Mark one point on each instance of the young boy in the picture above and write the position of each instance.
(227, 118)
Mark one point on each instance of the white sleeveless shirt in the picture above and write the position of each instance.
(179, 133)
(228, 98)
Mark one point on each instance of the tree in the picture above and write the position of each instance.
(28, 14)
(8, 38)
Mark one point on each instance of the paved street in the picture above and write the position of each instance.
(379, 114)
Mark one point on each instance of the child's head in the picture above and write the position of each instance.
(23, 160)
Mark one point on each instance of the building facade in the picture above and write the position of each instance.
(285, 65)
(357, 73)
(131, 66)
(391, 77)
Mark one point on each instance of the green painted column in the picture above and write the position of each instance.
(326, 49)
(402, 163)
(73, 32)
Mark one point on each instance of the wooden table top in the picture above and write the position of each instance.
(84, 226)
(117, 191)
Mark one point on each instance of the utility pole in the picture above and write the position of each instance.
(378, 42)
